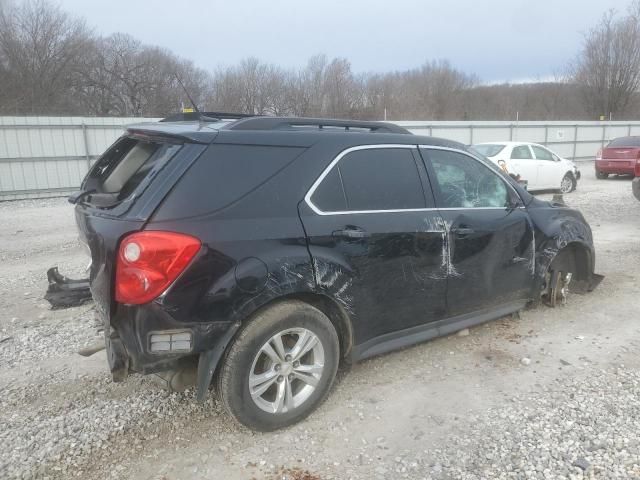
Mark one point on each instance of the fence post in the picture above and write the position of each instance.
(430, 131)
(86, 145)
(471, 134)
(546, 134)
(575, 141)
(629, 130)
(511, 132)
(604, 134)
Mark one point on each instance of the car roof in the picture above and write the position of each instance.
(294, 131)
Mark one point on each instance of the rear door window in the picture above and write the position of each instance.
(330, 195)
(521, 152)
(371, 179)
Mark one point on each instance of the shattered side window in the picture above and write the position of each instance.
(463, 182)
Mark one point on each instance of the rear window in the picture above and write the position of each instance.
(625, 142)
(122, 168)
(488, 150)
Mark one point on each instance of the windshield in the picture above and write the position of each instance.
(488, 149)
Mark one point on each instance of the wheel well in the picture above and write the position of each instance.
(334, 311)
(574, 258)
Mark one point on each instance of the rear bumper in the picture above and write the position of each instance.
(619, 167)
(146, 339)
(635, 187)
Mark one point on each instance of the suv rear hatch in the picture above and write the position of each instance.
(120, 193)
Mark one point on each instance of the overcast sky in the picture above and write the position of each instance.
(499, 40)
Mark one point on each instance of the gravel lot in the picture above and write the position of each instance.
(554, 394)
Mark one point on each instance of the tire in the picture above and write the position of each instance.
(246, 359)
(601, 175)
(568, 183)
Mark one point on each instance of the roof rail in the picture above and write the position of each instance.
(205, 116)
(300, 123)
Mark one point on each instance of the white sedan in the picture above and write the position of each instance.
(539, 166)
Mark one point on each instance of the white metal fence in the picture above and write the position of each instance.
(49, 156)
(573, 140)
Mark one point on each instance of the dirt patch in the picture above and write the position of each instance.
(457, 407)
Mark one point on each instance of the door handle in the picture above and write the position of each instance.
(462, 230)
(351, 233)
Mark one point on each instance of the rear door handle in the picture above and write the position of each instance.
(351, 233)
(462, 231)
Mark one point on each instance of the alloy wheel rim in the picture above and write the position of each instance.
(286, 370)
(565, 186)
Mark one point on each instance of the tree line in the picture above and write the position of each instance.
(51, 63)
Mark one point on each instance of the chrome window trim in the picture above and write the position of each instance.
(327, 170)
(307, 197)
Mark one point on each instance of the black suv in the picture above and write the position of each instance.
(261, 251)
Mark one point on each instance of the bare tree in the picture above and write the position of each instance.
(39, 46)
(51, 63)
(608, 67)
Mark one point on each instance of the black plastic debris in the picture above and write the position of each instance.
(64, 292)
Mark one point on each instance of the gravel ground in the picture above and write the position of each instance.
(553, 394)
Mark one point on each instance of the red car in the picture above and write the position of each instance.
(620, 157)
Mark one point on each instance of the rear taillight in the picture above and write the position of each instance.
(637, 169)
(599, 155)
(148, 262)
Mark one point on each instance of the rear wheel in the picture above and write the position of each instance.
(601, 175)
(281, 366)
(568, 183)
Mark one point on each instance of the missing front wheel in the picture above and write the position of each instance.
(556, 288)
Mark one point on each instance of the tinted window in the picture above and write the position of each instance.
(463, 182)
(625, 142)
(521, 152)
(381, 179)
(488, 150)
(542, 153)
(329, 196)
(371, 179)
(222, 175)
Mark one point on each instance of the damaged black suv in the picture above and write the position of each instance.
(258, 252)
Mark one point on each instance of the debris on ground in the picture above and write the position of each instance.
(64, 292)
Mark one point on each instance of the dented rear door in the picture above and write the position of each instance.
(377, 241)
